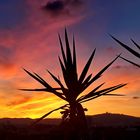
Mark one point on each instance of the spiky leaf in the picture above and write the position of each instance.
(57, 80)
(98, 75)
(44, 116)
(135, 64)
(90, 94)
(68, 51)
(126, 47)
(39, 79)
(85, 70)
(62, 50)
(135, 44)
(102, 92)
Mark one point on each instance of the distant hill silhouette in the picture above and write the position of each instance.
(105, 119)
(28, 121)
(109, 119)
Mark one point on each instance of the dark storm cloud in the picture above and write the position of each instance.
(54, 6)
(76, 2)
(63, 7)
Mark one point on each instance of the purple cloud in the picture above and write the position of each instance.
(63, 7)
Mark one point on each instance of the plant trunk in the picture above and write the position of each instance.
(78, 121)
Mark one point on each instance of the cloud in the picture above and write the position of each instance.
(7, 62)
(54, 6)
(6, 55)
(125, 67)
(17, 101)
(36, 32)
(117, 67)
(63, 7)
(136, 97)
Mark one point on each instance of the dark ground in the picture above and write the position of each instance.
(101, 127)
(54, 133)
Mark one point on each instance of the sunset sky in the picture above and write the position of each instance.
(29, 39)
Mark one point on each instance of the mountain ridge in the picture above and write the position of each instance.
(104, 119)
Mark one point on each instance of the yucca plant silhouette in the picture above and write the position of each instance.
(73, 112)
(132, 51)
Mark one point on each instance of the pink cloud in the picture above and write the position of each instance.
(34, 40)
